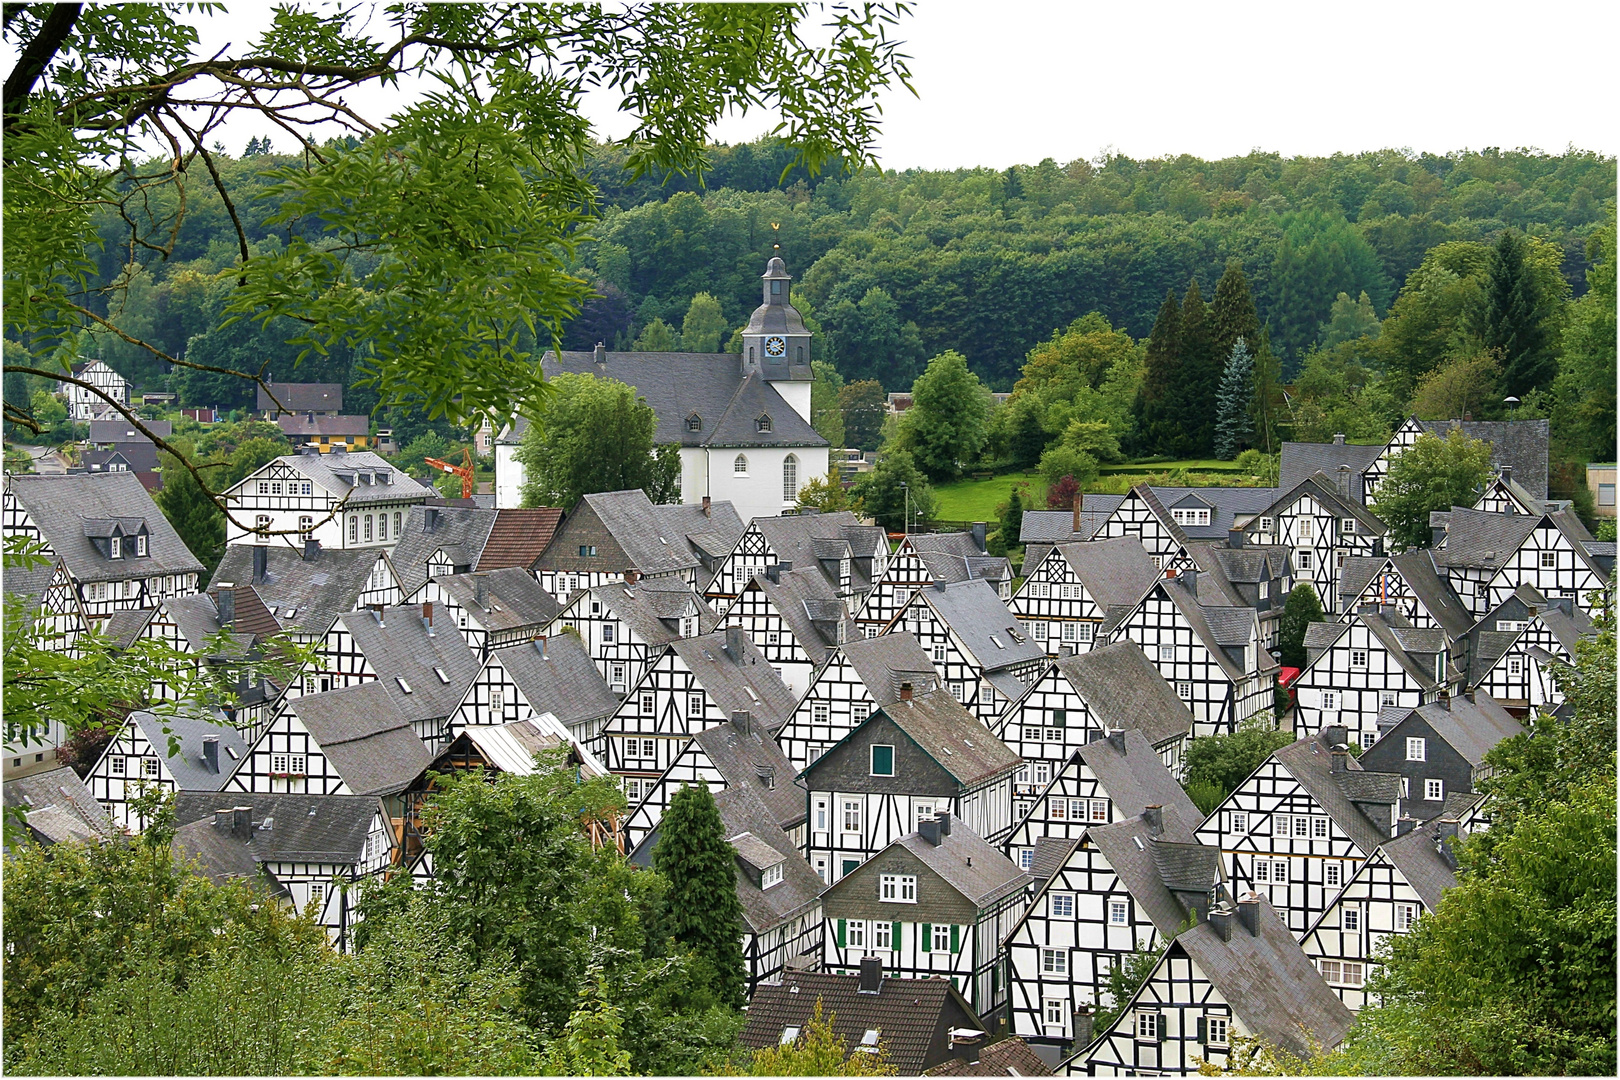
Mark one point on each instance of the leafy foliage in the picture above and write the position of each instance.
(818, 1051)
(702, 912)
(1217, 764)
(894, 488)
(1432, 474)
(946, 424)
(864, 406)
(1301, 609)
(593, 434)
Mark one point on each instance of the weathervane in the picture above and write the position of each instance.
(776, 231)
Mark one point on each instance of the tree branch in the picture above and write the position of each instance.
(36, 55)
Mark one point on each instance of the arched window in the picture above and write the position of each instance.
(740, 466)
(750, 352)
(790, 479)
(800, 356)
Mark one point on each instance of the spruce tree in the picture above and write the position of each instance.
(1302, 609)
(1267, 407)
(1232, 311)
(1012, 519)
(703, 913)
(194, 515)
(1232, 425)
(1200, 376)
(1154, 423)
(1516, 319)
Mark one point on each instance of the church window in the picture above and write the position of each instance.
(740, 465)
(694, 422)
(776, 288)
(790, 477)
(368, 528)
(799, 356)
(382, 526)
(763, 423)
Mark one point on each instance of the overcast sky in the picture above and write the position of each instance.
(1016, 81)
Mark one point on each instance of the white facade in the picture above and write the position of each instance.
(85, 405)
(297, 497)
(757, 480)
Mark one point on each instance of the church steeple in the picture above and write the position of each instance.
(775, 342)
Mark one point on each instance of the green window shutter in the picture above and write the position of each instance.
(1163, 1017)
(956, 938)
(1202, 1030)
(840, 933)
(897, 927)
(882, 761)
(927, 937)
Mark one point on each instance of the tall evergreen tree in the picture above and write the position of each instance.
(1155, 423)
(1232, 424)
(1232, 311)
(1516, 319)
(194, 515)
(703, 912)
(1302, 609)
(1200, 376)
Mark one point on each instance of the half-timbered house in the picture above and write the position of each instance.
(1079, 699)
(1303, 823)
(1357, 668)
(1487, 557)
(697, 683)
(352, 741)
(796, 618)
(1120, 888)
(1066, 597)
(206, 750)
(493, 609)
(45, 596)
(84, 403)
(548, 677)
(117, 548)
(1438, 750)
(861, 675)
(1398, 884)
(1038, 530)
(300, 593)
(981, 653)
(1235, 973)
(342, 500)
(627, 626)
(850, 555)
(922, 755)
(1321, 527)
(317, 852)
(1411, 584)
(438, 541)
(1167, 520)
(922, 559)
(1518, 652)
(1248, 575)
(1504, 494)
(936, 901)
(1209, 653)
(1518, 445)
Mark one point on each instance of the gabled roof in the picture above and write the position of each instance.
(1471, 724)
(1114, 571)
(793, 539)
(651, 608)
(1309, 762)
(1132, 849)
(364, 736)
(1519, 444)
(968, 864)
(809, 605)
(1393, 633)
(650, 540)
(1300, 460)
(957, 742)
(1123, 689)
(518, 537)
(884, 662)
(558, 677)
(745, 815)
(711, 535)
(1416, 568)
(957, 557)
(984, 625)
(754, 761)
(401, 643)
(58, 808)
(1227, 506)
(303, 595)
(1129, 768)
(460, 531)
(300, 397)
(358, 477)
(120, 431)
(1217, 627)
(754, 400)
(1322, 489)
(513, 599)
(745, 682)
(306, 425)
(1011, 1056)
(1417, 856)
(1057, 526)
(136, 456)
(186, 764)
(62, 505)
(287, 828)
(1483, 540)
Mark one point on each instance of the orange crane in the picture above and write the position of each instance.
(464, 470)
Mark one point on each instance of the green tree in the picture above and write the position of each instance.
(656, 336)
(1584, 409)
(894, 488)
(1518, 317)
(704, 325)
(193, 513)
(1156, 421)
(1302, 609)
(1319, 255)
(864, 405)
(1125, 978)
(1065, 460)
(1433, 474)
(818, 1051)
(1232, 313)
(251, 456)
(589, 1044)
(871, 339)
(946, 425)
(1460, 386)
(703, 913)
(1216, 765)
(1198, 377)
(1232, 405)
(592, 434)
(825, 414)
(1012, 519)
(1348, 320)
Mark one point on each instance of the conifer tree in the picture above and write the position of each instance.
(1232, 311)
(1155, 423)
(1302, 609)
(194, 515)
(1232, 425)
(703, 912)
(1267, 407)
(1200, 376)
(1516, 319)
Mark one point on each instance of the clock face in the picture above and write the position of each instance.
(776, 346)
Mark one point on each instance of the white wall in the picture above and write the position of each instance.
(508, 477)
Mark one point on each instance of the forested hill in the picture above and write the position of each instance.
(897, 267)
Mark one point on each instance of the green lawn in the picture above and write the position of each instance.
(1212, 465)
(976, 500)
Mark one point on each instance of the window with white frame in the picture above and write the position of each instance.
(1358, 658)
(1084, 632)
(616, 675)
(772, 875)
(739, 465)
(632, 790)
(1119, 913)
(1167, 654)
(1271, 871)
(1061, 905)
(1331, 874)
(278, 764)
(1307, 528)
(694, 705)
(1330, 700)
(1302, 560)
(1417, 749)
(860, 711)
(1351, 918)
(1043, 773)
(298, 765)
(1405, 917)
(942, 938)
(1319, 827)
(1434, 790)
(821, 815)
(1052, 1012)
(1147, 1026)
(1386, 699)
(1515, 667)
(1038, 631)
(1184, 691)
(1266, 524)
(1549, 560)
(1097, 810)
(1054, 962)
(820, 712)
(1240, 822)
(897, 888)
(1025, 858)
(882, 935)
(117, 765)
(1341, 972)
(852, 815)
(855, 933)
(790, 478)
(1215, 1030)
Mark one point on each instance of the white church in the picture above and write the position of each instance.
(743, 424)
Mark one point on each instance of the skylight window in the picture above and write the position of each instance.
(403, 685)
(439, 671)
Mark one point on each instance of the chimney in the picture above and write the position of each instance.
(784, 565)
(978, 530)
(773, 573)
(734, 643)
(1116, 739)
(1335, 735)
(540, 646)
(312, 549)
(1221, 920)
(1234, 537)
(309, 417)
(1340, 759)
(742, 722)
(928, 829)
(1249, 914)
(1404, 825)
(481, 591)
(222, 817)
(1507, 474)
(427, 613)
(210, 753)
(1153, 814)
(430, 518)
(1189, 577)
(871, 975)
(225, 601)
(905, 691)
(1444, 836)
(706, 506)
(1566, 604)
(600, 355)
(1084, 1023)
(242, 822)
(261, 563)
(1074, 524)
(944, 819)
(1338, 440)
(631, 576)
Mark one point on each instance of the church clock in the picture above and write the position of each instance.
(776, 345)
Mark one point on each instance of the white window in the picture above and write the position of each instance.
(1058, 809)
(616, 674)
(1184, 691)
(649, 748)
(1405, 917)
(1084, 632)
(1053, 1012)
(1330, 700)
(859, 711)
(1062, 905)
(317, 892)
(1434, 790)
(1302, 560)
(790, 478)
(1417, 750)
(497, 700)
(942, 938)
(368, 528)
(1118, 913)
(1240, 822)
(1352, 918)
(925, 812)
(354, 529)
(1342, 973)
(1167, 654)
(1054, 962)
(1097, 809)
(694, 705)
(1358, 658)
(1319, 828)
(403, 685)
(1038, 631)
(1043, 773)
(739, 465)
(1549, 560)
(1265, 524)
(298, 765)
(789, 1034)
(897, 888)
(278, 764)
(261, 524)
(1515, 667)
(1215, 1030)
(856, 933)
(647, 705)
(1307, 528)
(939, 654)
(608, 633)
(382, 526)
(1330, 875)
(882, 932)
(1274, 871)
(632, 790)
(772, 875)
(140, 545)
(820, 712)
(1147, 1026)
(852, 816)
(264, 487)
(821, 815)
(1026, 858)
(1386, 699)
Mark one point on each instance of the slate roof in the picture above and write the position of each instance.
(63, 506)
(1114, 571)
(1417, 856)
(1057, 526)
(1403, 642)
(983, 624)
(957, 557)
(1470, 724)
(968, 864)
(301, 397)
(137, 456)
(951, 735)
(302, 828)
(1134, 776)
(1483, 540)
(1300, 460)
(809, 605)
(1519, 444)
(912, 1014)
(461, 531)
(1132, 849)
(358, 477)
(1050, 855)
(401, 644)
(28, 584)
(121, 431)
(793, 539)
(710, 385)
(1309, 762)
(1322, 489)
(1124, 690)
(799, 892)
(742, 683)
(513, 599)
(712, 535)
(651, 607)
(1011, 1056)
(364, 736)
(315, 591)
(186, 764)
(560, 679)
(58, 807)
(755, 761)
(518, 537)
(305, 425)
(1417, 568)
(1216, 627)
(1227, 505)
(650, 540)
(884, 662)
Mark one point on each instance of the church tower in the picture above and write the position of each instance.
(776, 344)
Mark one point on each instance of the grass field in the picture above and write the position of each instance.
(976, 500)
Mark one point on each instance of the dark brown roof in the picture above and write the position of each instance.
(1009, 1057)
(252, 616)
(518, 537)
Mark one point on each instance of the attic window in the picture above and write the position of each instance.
(870, 1039)
(694, 422)
(403, 685)
(439, 671)
(763, 423)
(140, 545)
(996, 642)
(789, 1033)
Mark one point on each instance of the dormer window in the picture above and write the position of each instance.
(115, 548)
(140, 545)
(772, 875)
(694, 422)
(763, 423)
